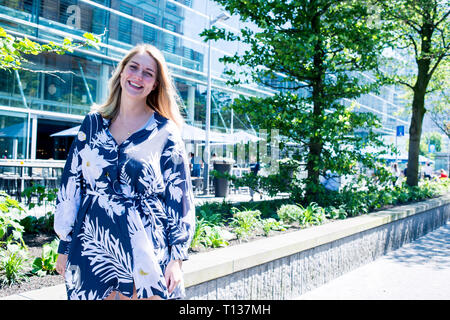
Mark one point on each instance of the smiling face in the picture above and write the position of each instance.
(139, 76)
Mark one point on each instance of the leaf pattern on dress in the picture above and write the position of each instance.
(105, 253)
(126, 185)
(74, 165)
(145, 266)
(103, 140)
(68, 204)
(152, 182)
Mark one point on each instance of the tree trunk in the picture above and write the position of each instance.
(418, 106)
(315, 143)
(415, 133)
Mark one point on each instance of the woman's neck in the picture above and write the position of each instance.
(133, 110)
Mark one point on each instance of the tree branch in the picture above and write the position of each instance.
(442, 19)
(438, 60)
(414, 45)
(405, 84)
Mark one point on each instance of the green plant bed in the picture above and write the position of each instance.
(218, 225)
(223, 224)
(22, 252)
(29, 280)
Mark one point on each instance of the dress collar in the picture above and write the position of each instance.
(154, 121)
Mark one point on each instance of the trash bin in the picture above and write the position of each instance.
(221, 184)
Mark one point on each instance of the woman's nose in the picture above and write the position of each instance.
(139, 75)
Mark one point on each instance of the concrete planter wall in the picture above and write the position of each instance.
(288, 265)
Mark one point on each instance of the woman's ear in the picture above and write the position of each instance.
(155, 85)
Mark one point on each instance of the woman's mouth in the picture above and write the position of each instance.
(135, 85)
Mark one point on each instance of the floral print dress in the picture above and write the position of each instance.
(124, 211)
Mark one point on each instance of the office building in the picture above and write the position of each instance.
(34, 105)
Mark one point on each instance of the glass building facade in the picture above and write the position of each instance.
(34, 105)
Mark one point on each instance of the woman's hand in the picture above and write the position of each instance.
(173, 274)
(61, 263)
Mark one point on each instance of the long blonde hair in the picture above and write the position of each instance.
(163, 99)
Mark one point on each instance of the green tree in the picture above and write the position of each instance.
(419, 28)
(14, 50)
(440, 115)
(439, 100)
(312, 52)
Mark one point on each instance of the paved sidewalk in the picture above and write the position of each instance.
(419, 270)
(50, 293)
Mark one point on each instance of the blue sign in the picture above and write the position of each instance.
(400, 131)
(431, 148)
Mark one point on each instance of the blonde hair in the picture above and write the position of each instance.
(163, 99)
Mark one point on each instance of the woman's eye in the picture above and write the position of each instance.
(132, 67)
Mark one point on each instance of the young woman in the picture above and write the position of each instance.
(125, 213)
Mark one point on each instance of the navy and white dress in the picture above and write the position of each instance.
(124, 211)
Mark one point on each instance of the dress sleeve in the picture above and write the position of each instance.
(69, 195)
(178, 197)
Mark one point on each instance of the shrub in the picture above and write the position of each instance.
(270, 224)
(31, 224)
(208, 235)
(313, 214)
(245, 222)
(214, 213)
(44, 195)
(268, 208)
(199, 232)
(214, 237)
(10, 228)
(13, 264)
(289, 213)
(335, 213)
(46, 263)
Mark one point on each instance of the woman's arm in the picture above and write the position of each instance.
(69, 194)
(178, 197)
(179, 204)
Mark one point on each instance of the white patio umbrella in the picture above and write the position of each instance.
(67, 133)
(189, 133)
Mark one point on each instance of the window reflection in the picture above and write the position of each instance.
(12, 137)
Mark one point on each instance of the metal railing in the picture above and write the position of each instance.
(16, 175)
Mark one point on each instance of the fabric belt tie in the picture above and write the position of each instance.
(140, 201)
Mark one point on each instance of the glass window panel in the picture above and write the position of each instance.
(170, 40)
(6, 82)
(58, 88)
(23, 5)
(30, 84)
(80, 94)
(125, 25)
(13, 131)
(149, 35)
(50, 9)
(98, 20)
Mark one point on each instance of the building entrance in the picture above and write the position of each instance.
(55, 148)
